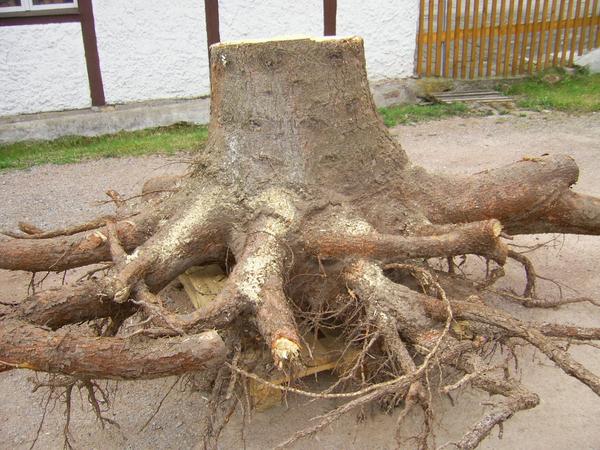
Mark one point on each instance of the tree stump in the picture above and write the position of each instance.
(324, 225)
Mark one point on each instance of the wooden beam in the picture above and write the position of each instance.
(211, 13)
(329, 17)
(90, 46)
(502, 30)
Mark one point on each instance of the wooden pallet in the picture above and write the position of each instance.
(471, 96)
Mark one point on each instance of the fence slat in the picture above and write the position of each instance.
(593, 12)
(542, 38)
(584, 27)
(429, 38)
(473, 34)
(567, 29)
(508, 40)
(534, 36)
(456, 40)
(557, 39)
(499, 58)
(574, 33)
(482, 38)
(465, 40)
(438, 43)
(525, 36)
(419, 41)
(550, 33)
(447, 40)
(490, 55)
(597, 12)
(518, 31)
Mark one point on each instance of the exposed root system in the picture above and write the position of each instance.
(324, 229)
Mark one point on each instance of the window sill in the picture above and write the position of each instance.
(41, 12)
(61, 16)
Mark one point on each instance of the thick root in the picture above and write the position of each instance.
(75, 303)
(27, 346)
(481, 238)
(492, 193)
(67, 252)
(529, 196)
(258, 281)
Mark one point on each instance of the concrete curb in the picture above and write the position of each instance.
(105, 120)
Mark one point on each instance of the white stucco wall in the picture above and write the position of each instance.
(42, 68)
(150, 49)
(389, 29)
(256, 19)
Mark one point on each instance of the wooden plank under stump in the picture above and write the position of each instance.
(328, 353)
(202, 284)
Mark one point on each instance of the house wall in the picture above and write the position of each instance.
(148, 51)
(256, 19)
(389, 29)
(42, 68)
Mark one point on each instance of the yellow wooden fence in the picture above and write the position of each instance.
(500, 38)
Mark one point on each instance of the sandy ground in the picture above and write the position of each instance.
(567, 417)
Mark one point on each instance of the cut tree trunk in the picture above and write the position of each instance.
(323, 225)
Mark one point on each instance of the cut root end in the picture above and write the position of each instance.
(284, 349)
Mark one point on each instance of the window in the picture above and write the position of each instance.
(36, 7)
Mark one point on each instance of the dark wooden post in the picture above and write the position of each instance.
(329, 17)
(88, 31)
(211, 12)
